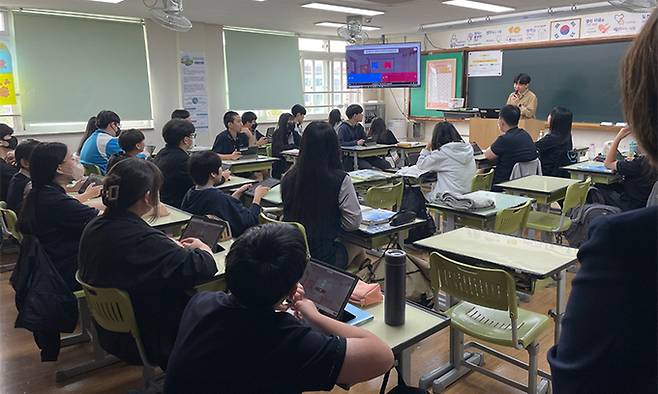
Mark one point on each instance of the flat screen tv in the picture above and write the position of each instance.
(383, 65)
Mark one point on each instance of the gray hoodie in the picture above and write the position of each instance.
(455, 167)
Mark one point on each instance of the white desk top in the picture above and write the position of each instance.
(502, 201)
(538, 184)
(518, 254)
(176, 216)
(259, 159)
(590, 167)
(365, 148)
(235, 182)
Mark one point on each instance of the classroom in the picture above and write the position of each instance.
(363, 196)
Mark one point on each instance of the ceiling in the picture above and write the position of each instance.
(402, 16)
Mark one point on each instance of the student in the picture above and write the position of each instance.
(229, 142)
(285, 137)
(513, 146)
(204, 199)
(7, 145)
(554, 146)
(380, 133)
(335, 118)
(249, 125)
(298, 112)
(523, 97)
(132, 143)
(172, 161)
(224, 338)
(634, 190)
(120, 250)
(181, 114)
(89, 130)
(18, 186)
(50, 214)
(319, 194)
(351, 133)
(103, 142)
(617, 276)
(451, 158)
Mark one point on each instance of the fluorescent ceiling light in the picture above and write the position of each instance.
(340, 8)
(108, 1)
(337, 25)
(478, 5)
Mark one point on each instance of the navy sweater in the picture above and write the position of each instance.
(215, 202)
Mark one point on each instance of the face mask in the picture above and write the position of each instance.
(10, 143)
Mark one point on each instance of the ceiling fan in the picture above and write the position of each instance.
(353, 32)
(169, 15)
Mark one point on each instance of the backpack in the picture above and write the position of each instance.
(582, 218)
(414, 201)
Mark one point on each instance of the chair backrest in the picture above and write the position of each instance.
(526, 168)
(652, 201)
(512, 220)
(385, 197)
(483, 181)
(576, 195)
(9, 220)
(92, 169)
(264, 219)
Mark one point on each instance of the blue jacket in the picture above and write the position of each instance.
(348, 134)
(98, 148)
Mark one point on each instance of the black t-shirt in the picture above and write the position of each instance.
(553, 154)
(223, 347)
(225, 143)
(16, 191)
(639, 179)
(6, 172)
(514, 146)
(172, 161)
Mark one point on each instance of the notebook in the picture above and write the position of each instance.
(376, 216)
(330, 289)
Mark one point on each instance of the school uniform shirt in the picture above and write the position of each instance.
(527, 102)
(225, 143)
(553, 154)
(7, 171)
(58, 223)
(225, 347)
(608, 341)
(638, 182)
(299, 128)
(98, 148)
(125, 252)
(454, 165)
(16, 191)
(172, 162)
(348, 135)
(213, 201)
(514, 146)
(283, 140)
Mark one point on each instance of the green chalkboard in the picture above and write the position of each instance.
(583, 78)
(417, 95)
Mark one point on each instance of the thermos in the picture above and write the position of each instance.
(395, 287)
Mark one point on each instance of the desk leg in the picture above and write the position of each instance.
(450, 222)
(356, 161)
(558, 314)
(404, 365)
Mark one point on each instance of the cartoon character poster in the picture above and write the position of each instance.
(7, 90)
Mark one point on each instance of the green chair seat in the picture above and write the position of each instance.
(543, 221)
(494, 326)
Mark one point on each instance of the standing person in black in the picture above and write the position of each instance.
(284, 137)
(513, 146)
(229, 142)
(608, 344)
(120, 249)
(351, 133)
(18, 186)
(172, 161)
(554, 147)
(7, 170)
(380, 133)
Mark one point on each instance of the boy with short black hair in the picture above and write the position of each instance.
(249, 126)
(204, 199)
(351, 133)
(523, 97)
(298, 112)
(132, 143)
(103, 143)
(223, 338)
(229, 142)
(181, 114)
(172, 161)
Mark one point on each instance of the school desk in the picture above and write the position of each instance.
(171, 223)
(482, 163)
(483, 219)
(235, 182)
(544, 189)
(593, 169)
(362, 152)
(407, 148)
(242, 165)
(290, 155)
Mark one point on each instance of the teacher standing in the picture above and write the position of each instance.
(523, 97)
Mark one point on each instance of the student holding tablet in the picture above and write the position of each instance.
(608, 341)
(225, 339)
(121, 250)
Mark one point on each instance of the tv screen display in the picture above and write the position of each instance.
(383, 65)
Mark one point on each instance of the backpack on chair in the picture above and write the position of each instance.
(582, 218)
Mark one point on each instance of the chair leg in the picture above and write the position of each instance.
(532, 367)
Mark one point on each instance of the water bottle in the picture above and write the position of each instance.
(632, 148)
(395, 287)
(591, 152)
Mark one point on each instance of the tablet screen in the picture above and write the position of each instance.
(206, 230)
(328, 288)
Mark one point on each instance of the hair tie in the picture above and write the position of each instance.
(112, 193)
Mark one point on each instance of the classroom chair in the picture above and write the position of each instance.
(92, 169)
(264, 219)
(526, 168)
(512, 221)
(575, 197)
(9, 220)
(385, 197)
(113, 310)
(653, 196)
(483, 181)
(488, 311)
